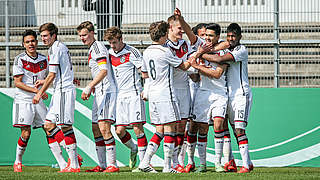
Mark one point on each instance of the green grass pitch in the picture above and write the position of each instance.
(43, 173)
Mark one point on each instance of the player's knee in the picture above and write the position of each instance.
(49, 126)
(138, 129)
(240, 131)
(26, 132)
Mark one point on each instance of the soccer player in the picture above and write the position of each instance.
(104, 102)
(240, 95)
(126, 63)
(159, 62)
(29, 68)
(182, 49)
(61, 109)
(195, 127)
(211, 99)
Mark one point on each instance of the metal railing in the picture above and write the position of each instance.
(282, 37)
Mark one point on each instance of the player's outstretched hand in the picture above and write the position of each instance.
(39, 83)
(36, 98)
(45, 96)
(177, 12)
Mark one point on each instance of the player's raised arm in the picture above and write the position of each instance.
(185, 26)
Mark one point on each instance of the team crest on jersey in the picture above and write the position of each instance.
(41, 65)
(184, 48)
(123, 59)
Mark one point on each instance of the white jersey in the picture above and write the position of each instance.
(159, 61)
(60, 64)
(125, 64)
(237, 74)
(182, 49)
(98, 60)
(32, 69)
(217, 85)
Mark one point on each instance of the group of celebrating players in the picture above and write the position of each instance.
(189, 85)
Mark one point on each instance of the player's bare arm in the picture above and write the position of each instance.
(87, 91)
(19, 84)
(218, 59)
(217, 73)
(51, 76)
(185, 26)
(184, 66)
(144, 93)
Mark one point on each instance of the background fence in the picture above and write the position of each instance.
(282, 36)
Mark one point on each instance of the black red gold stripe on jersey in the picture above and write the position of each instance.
(116, 61)
(34, 67)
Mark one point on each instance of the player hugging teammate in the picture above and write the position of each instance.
(189, 85)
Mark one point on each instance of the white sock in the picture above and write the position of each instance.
(227, 151)
(182, 153)
(73, 155)
(141, 152)
(202, 150)
(150, 151)
(190, 150)
(19, 153)
(57, 153)
(111, 155)
(244, 151)
(176, 152)
(63, 144)
(168, 149)
(218, 146)
(101, 152)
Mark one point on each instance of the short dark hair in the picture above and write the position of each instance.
(172, 19)
(86, 25)
(52, 28)
(158, 29)
(234, 28)
(112, 32)
(215, 27)
(199, 26)
(29, 32)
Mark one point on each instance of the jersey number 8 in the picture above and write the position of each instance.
(152, 69)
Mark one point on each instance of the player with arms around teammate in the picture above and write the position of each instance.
(61, 109)
(210, 102)
(182, 49)
(104, 102)
(159, 62)
(126, 63)
(239, 91)
(29, 71)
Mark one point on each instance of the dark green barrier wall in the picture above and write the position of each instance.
(283, 130)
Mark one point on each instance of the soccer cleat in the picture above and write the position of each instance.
(136, 170)
(171, 170)
(80, 160)
(230, 166)
(69, 169)
(133, 159)
(251, 167)
(148, 169)
(111, 169)
(17, 167)
(244, 170)
(219, 168)
(95, 169)
(179, 168)
(201, 169)
(189, 168)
